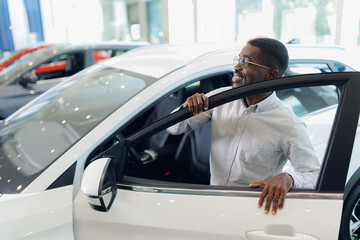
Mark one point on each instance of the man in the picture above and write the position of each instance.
(252, 138)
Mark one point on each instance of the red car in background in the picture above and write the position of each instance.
(17, 55)
(40, 70)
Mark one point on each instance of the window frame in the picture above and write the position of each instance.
(332, 175)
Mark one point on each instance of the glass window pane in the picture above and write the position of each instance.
(355, 157)
(38, 135)
(289, 21)
(306, 68)
(306, 100)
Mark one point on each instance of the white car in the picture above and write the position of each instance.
(89, 158)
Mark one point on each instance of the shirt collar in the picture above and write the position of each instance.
(263, 105)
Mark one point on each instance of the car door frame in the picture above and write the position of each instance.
(343, 131)
(345, 122)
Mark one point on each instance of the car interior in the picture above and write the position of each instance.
(61, 66)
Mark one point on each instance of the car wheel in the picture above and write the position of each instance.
(350, 222)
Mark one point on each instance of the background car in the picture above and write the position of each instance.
(114, 114)
(25, 80)
(17, 56)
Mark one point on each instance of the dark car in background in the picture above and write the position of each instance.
(24, 80)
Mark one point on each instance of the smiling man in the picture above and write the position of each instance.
(252, 138)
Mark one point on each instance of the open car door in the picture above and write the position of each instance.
(121, 199)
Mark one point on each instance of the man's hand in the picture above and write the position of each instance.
(197, 103)
(275, 189)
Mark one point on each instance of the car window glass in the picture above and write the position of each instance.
(303, 101)
(177, 98)
(100, 55)
(116, 52)
(355, 157)
(340, 67)
(61, 66)
(306, 100)
(185, 157)
(39, 134)
(306, 68)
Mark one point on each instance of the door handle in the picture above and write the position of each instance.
(277, 232)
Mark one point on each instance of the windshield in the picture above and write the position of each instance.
(18, 67)
(38, 135)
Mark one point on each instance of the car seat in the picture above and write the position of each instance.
(162, 109)
(192, 155)
(161, 145)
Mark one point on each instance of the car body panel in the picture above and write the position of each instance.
(155, 215)
(37, 215)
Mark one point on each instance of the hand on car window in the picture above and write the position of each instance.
(197, 103)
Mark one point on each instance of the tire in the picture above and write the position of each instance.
(350, 221)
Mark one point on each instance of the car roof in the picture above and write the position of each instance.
(105, 44)
(160, 60)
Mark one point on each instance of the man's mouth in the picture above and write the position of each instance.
(238, 76)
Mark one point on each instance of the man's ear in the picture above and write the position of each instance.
(272, 74)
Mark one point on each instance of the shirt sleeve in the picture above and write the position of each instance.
(190, 123)
(195, 121)
(299, 150)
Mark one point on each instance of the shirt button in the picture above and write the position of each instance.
(229, 163)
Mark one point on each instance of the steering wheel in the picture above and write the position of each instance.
(133, 156)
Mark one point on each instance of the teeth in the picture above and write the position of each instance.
(237, 78)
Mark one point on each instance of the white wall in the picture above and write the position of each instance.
(180, 15)
(74, 21)
(348, 23)
(216, 21)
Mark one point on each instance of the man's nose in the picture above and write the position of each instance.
(238, 67)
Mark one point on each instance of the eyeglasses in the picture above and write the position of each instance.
(244, 62)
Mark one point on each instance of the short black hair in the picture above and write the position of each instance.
(273, 53)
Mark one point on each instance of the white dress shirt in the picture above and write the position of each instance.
(249, 144)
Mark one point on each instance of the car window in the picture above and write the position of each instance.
(306, 100)
(355, 157)
(310, 99)
(340, 67)
(306, 68)
(100, 55)
(61, 66)
(37, 135)
(184, 158)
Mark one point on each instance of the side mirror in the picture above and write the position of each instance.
(28, 78)
(98, 184)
